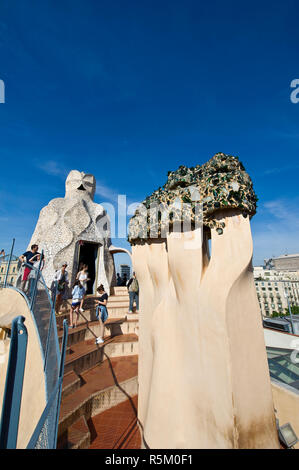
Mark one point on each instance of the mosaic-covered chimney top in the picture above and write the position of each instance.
(221, 183)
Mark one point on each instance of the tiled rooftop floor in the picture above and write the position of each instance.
(99, 378)
(116, 428)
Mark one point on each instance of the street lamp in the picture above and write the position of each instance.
(286, 296)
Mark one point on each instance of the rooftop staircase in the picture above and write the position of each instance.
(100, 383)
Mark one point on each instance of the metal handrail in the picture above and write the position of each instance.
(10, 420)
(13, 385)
(9, 262)
(55, 393)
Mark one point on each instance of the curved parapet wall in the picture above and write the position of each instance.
(203, 373)
(13, 304)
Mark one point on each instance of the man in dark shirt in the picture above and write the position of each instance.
(29, 257)
(101, 312)
(133, 289)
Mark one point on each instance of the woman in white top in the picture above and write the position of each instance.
(82, 276)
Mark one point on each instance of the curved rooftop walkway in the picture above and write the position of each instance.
(99, 395)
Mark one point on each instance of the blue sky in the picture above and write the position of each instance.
(128, 90)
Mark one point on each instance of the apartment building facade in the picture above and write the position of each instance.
(272, 287)
(12, 272)
(125, 270)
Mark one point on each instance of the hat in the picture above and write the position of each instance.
(64, 264)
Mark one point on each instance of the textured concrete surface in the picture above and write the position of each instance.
(201, 345)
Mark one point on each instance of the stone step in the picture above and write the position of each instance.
(71, 383)
(118, 290)
(90, 316)
(122, 418)
(118, 305)
(86, 354)
(77, 436)
(118, 298)
(118, 312)
(130, 326)
(90, 330)
(133, 316)
(104, 386)
(91, 302)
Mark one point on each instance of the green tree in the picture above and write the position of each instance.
(294, 310)
(278, 314)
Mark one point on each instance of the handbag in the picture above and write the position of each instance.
(61, 284)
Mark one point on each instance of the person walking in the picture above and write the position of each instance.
(82, 276)
(101, 312)
(37, 264)
(60, 283)
(118, 280)
(27, 258)
(77, 295)
(124, 280)
(133, 289)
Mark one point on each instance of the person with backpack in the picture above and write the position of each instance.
(133, 289)
(61, 281)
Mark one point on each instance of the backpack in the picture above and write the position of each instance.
(134, 287)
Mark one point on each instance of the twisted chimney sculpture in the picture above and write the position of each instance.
(203, 373)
